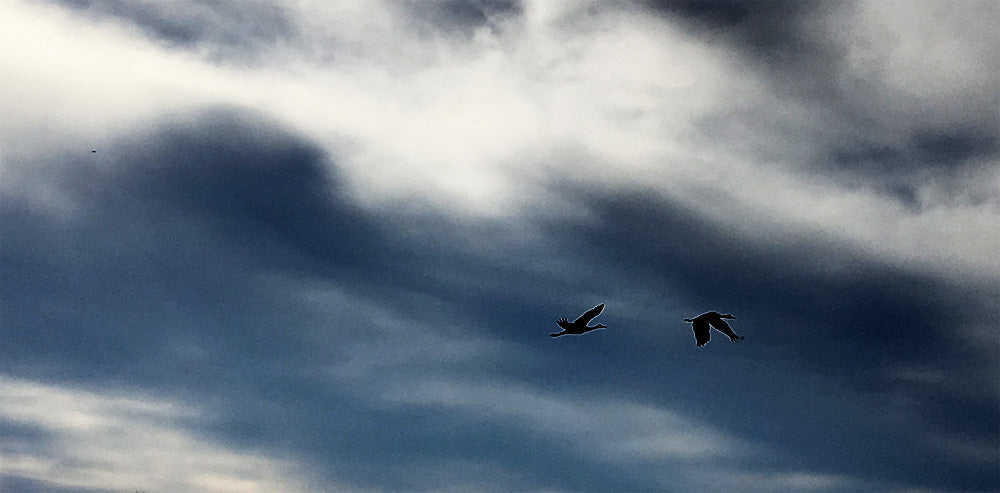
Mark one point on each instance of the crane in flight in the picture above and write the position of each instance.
(702, 323)
(579, 326)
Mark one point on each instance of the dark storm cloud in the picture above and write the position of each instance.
(777, 31)
(943, 155)
(228, 31)
(941, 149)
(944, 147)
(255, 182)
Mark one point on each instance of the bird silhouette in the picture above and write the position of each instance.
(579, 326)
(703, 322)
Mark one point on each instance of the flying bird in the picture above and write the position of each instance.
(579, 326)
(703, 322)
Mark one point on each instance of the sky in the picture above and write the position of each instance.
(306, 246)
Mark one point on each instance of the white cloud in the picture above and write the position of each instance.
(614, 430)
(932, 62)
(604, 97)
(776, 482)
(66, 79)
(111, 441)
(444, 119)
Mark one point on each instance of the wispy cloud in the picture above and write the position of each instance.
(613, 429)
(108, 440)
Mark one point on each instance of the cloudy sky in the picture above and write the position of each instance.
(321, 245)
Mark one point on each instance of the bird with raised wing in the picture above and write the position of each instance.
(579, 326)
(702, 323)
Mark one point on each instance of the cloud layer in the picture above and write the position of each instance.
(319, 246)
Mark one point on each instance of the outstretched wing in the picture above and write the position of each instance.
(701, 331)
(589, 315)
(721, 326)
